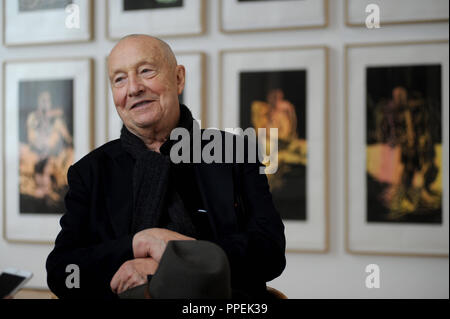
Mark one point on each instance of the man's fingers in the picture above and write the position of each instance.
(119, 277)
(134, 281)
(121, 287)
(132, 274)
(115, 282)
(183, 237)
(166, 234)
(138, 280)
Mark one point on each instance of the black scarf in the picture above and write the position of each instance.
(156, 202)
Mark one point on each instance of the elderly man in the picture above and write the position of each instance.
(126, 199)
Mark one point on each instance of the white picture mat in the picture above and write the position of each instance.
(300, 235)
(398, 10)
(40, 227)
(44, 26)
(384, 237)
(192, 94)
(272, 14)
(156, 22)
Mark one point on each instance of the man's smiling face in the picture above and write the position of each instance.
(145, 82)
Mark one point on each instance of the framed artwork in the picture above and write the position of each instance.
(397, 11)
(155, 17)
(286, 89)
(46, 128)
(193, 95)
(258, 15)
(397, 148)
(46, 21)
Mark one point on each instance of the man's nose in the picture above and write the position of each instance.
(135, 86)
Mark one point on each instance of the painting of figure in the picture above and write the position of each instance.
(265, 0)
(404, 144)
(129, 5)
(46, 144)
(277, 99)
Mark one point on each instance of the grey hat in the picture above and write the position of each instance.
(192, 269)
(189, 269)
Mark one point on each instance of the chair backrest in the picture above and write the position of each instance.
(275, 293)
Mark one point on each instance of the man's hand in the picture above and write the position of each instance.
(152, 242)
(133, 273)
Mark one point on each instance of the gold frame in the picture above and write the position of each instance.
(203, 82)
(91, 14)
(222, 30)
(346, 146)
(202, 24)
(348, 24)
(91, 122)
(326, 129)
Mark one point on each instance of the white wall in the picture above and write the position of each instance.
(335, 274)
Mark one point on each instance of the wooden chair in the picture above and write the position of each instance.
(276, 294)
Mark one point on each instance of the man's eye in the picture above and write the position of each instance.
(148, 71)
(117, 80)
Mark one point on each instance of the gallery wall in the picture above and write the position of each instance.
(335, 273)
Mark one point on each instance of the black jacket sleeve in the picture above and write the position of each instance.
(98, 260)
(257, 250)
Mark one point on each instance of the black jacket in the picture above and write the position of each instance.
(243, 219)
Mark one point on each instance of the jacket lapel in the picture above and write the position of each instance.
(215, 182)
(216, 187)
(119, 194)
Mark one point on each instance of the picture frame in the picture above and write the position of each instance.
(31, 22)
(397, 12)
(397, 149)
(271, 15)
(142, 17)
(193, 95)
(251, 80)
(47, 126)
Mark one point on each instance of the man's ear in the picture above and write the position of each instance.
(181, 76)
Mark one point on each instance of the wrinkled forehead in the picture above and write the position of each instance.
(129, 52)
